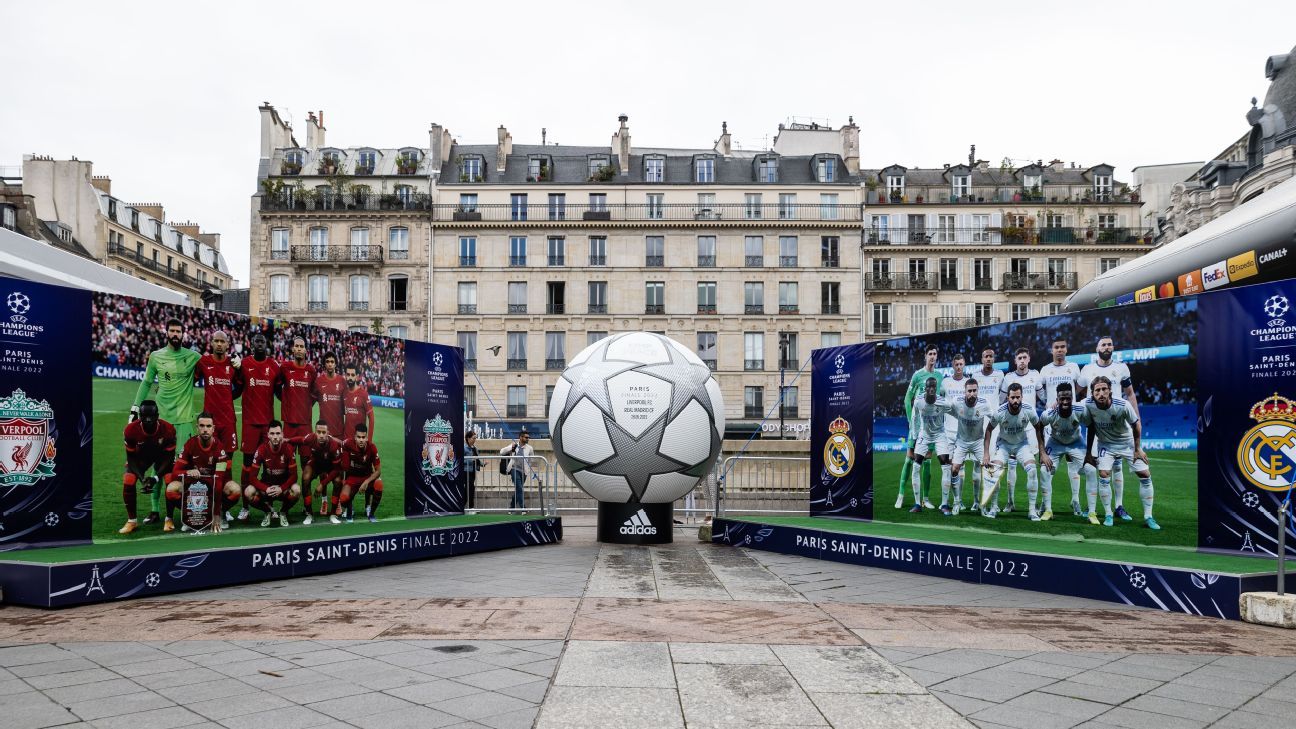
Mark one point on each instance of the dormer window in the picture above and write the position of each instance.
(767, 169)
(470, 169)
(704, 169)
(407, 161)
(962, 185)
(329, 162)
(539, 169)
(895, 185)
(600, 169)
(1033, 183)
(826, 169)
(112, 209)
(366, 161)
(655, 169)
(1102, 187)
(292, 162)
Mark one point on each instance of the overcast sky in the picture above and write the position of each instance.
(163, 96)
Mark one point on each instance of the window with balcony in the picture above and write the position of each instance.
(789, 408)
(598, 297)
(949, 274)
(319, 244)
(517, 297)
(1102, 188)
(598, 250)
(398, 292)
(517, 250)
(655, 297)
(980, 223)
(706, 295)
(826, 169)
(317, 290)
(752, 206)
(706, 251)
(517, 401)
(982, 274)
(983, 314)
(556, 297)
(962, 186)
(398, 244)
(655, 206)
(407, 161)
(279, 244)
(787, 206)
(944, 228)
(1019, 266)
(470, 169)
(830, 297)
(555, 350)
(788, 246)
(467, 341)
(359, 288)
(830, 251)
(753, 401)
(753, 351)
(557, 206)
(654, 251)
(654, 169)
(706, 348)
(467, 297)
(360, 244)
(557, 250)
(754, 251)
(704, 170)
(753, 297)
(880, 278)
(518, 206)
(517, 350)
(1020, 311)
(895, 186)
(882, 319)
(467, 202)
(539, 169)
(278, 292)
(829, 207)
(1057, 273)
(788, 302)
(830, 339)
(467, 250)
(598, 202)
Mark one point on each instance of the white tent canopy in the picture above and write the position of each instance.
(25, 258)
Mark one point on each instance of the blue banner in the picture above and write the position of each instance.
(46, 419)
(435, 481)
(841, 424)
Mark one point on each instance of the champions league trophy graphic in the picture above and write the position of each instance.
(636, 421)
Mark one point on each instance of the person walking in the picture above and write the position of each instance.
(471, 467)
(519, 467)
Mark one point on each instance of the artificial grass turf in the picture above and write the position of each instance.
(112, 401)
(1073, 544)
(1174, 478)
(254, 536)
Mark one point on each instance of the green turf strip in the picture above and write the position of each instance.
(1068, 545)
(245, 536)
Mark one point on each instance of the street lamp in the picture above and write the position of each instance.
(783, 357)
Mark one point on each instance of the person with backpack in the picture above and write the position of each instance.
(518, 466)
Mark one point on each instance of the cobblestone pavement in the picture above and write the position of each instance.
(580, 634)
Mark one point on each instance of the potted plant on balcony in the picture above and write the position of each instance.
(406, 164)
(604, 173)
(388, 201)
(359, 195)
(463, 214)
(273, 191)
(290, 167)
(895, 196)
(919, 199)
(305, 198)
(328, 166)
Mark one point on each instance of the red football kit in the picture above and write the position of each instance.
(219, 381)
(213, 462)
(296, 397)
(274, 466)
(328, 391)
(259, 378)
(156, 449)
(358, 410)
(359, 464)
(325, 460)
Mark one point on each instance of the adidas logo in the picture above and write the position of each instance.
(638, 524)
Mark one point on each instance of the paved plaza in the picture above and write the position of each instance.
(587, 635)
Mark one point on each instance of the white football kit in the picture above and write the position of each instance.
(1054, 375)
(969, 436)
(1011, 440)
(1113, 432)
(928, 421)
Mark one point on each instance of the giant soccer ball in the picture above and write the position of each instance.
(636, 418)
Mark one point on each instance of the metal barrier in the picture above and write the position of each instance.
(566, 495)
(762, 485)
(494, 491)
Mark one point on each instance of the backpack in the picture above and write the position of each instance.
(504, 464)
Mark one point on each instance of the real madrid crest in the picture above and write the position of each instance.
(1267, 453)
(839, 451)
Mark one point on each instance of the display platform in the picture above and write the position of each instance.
(80, 575)
(1173, 579)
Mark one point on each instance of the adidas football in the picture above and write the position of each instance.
(636, 418)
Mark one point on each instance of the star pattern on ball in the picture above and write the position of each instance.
(687, 380)
(636, 459)
(597, 369)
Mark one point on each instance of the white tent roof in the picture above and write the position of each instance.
(25, 258)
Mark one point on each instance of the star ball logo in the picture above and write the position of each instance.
(1267, 453)
(840, 362)
(18, 304)
(436, 361)
(839, 451)
(1275, 307)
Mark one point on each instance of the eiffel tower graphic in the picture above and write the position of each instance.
(95, 582)
(1247, 546)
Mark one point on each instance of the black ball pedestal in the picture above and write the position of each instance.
(635, 523)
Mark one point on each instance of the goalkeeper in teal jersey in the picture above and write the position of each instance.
(916, 383)
(172, 367)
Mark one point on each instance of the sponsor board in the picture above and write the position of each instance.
(1166, 290)
(1242, 266)
(1124, 299)
(1191, 283)
(1145, 294)
(1215, 275)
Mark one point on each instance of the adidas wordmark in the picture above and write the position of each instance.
(638, 524)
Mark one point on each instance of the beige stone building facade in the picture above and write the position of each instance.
(65, 204)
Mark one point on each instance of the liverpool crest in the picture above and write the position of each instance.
(438, 452)
(26, 446)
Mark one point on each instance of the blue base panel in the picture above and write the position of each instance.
(86, 582)
(1165, 588)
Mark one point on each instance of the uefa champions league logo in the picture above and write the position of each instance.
(1251, 499)
(1138, 580)
(436, 361)
(1275, 307)
(153, 579)
(19, 304)
(840, 362)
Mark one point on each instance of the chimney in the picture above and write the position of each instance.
(151, 209)
(314, 131)
(724, 146)
(1057, 165)
(850, 145)
(503, 148)
(275, 132)
(972, 157)
(621, 145)
(211, 239)
(439, 143)
(188, 228)
(102, 183)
